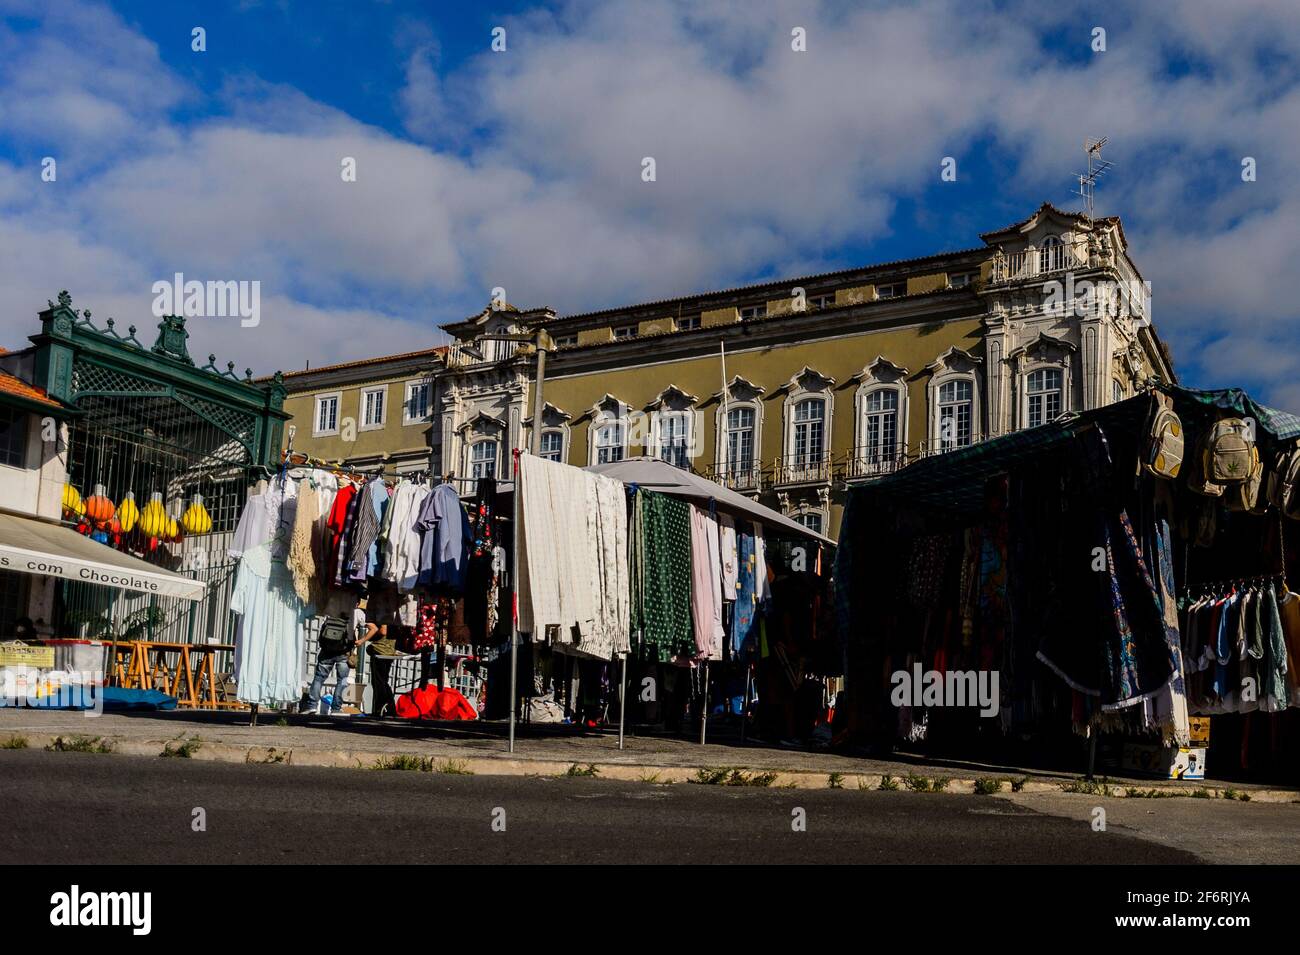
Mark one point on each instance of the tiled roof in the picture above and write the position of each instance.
(1050, 208)
(360, 363)
(11, 385)
(838, 273)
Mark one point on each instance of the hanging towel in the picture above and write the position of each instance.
(706, 585)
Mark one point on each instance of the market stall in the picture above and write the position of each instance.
(1082, 564)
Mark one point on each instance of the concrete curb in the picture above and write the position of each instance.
(919, 783)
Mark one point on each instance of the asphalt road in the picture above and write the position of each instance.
(86, 808)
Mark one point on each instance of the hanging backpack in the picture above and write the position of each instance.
(1282, 482)
(1230, 454)
(1245, 495)
(1163, 454)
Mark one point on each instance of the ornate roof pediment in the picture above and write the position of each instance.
(550, 414)
(881, 369)
(672, 397)
(954, 359)
(808, 379)
(1043, 343)
(482, 420)
(740, 389)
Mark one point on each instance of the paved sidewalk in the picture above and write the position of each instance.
(481, 748)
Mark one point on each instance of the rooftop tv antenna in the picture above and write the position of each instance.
(1097, 167)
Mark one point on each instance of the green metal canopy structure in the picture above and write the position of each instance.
(146, 421)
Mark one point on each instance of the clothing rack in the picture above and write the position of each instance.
(1220, 587)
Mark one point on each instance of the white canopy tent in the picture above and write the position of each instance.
(655, 475)
(658, 476)
(34, 545)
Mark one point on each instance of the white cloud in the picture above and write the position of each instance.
(524, 168)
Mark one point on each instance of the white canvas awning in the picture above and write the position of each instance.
(33, 545)
(655, 475)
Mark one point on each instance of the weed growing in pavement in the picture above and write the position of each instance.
(14, 742)
(454, 767)
(649, 777)
(1236, 794)
(835, 780)
(726, 776)
(987, 786)
(1018, 785)
(576, 770)
(1089, 787)
(888, 784)
(405, 761)
(924, 784)
(79, 744)
(185, 750)
(1201, 794)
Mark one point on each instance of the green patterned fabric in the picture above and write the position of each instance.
(660, 542)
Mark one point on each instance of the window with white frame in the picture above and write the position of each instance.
(552, 448)
(372, 407)
(689, 323)
(483, 459)
(565, 341)
(1051, 255)
(956, 413)
(751, 312)
(1043, 396)
(822, 301)
(416, 408)
(739, 440)
(880, 425)
(674, 438)
(809, 430)
(624, 332)
(327, 414)
(893, 290)
(811, 520)
(609, 442)
(961, 279)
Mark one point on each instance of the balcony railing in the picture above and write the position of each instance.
(871, 462)
(804, 469)
(1028, 263)
(465, 354)
(739, 477)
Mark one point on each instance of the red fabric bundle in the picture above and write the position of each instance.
(429, 703)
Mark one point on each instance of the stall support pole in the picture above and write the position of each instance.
(514, 603)
(622, 701)
(744, 706)
(1092, 751)
(704, 709)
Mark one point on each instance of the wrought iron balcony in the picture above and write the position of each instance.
(742, 477)
(1029, 263)
(870, 462)
(803, 469)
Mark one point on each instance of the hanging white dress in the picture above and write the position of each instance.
(270, 643)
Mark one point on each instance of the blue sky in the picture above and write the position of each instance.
(522, 168)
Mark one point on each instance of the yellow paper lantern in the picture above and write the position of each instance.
(128, 514)
(196, 519)
(153, 519)
(72, 503)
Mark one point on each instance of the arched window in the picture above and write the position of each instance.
(809, 431)
(674, 438)
(1051, 255)
(739, 440)
(1043, 396)
(880, 425)
(483, 459)
(552, 445)
(609, 442)
(955, 413)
